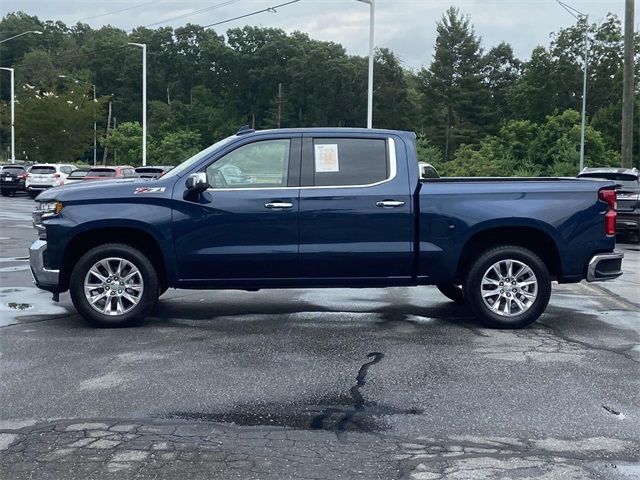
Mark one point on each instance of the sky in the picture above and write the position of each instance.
(407, 27)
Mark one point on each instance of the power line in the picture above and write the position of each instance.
(195, 12)
(121, 10)
(268, 9)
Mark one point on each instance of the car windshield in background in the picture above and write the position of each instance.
(629, 182)
(101, 172)
(42, 170)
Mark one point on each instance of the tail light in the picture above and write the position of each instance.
(610, 198)
(56, 175)
(24, 175)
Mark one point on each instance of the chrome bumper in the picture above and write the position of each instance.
(42, 277)
(605, 266)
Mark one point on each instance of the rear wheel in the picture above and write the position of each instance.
(508, 287)
(114, 285)
(452, 292)
(6, 192)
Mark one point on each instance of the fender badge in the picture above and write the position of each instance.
(149, 190)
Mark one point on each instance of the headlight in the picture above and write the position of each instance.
(46, 209)
(43, 211)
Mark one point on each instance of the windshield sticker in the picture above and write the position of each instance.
(149, 190)
(327, 158)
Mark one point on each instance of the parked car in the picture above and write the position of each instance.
(12, 179)
(628, 179)
(155, 171)
(42, 176)
(76, 176)
(110, 173)
(427, 171)
(342, 208)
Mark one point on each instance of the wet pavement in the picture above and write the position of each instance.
(318, 384)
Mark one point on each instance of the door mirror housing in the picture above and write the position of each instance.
(196, 183)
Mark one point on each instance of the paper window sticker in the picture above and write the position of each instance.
(326, 158)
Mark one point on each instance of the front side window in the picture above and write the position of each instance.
(262, 164)
(349, 161)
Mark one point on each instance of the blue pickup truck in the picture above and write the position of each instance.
(328, 207)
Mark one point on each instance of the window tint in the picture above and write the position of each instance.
(13, 170)
(258, 165)
(42, 170)
(349, 161)
(78, 174)
(101, 172)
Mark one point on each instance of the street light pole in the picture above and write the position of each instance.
(144, 100)
(572, 11)
(370, 76)
(95, 130)
(13, 114)
(37, 32)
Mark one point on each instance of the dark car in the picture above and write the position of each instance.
(628, 179)
(110, 173)
(155, 171)
(76, 176)
(12, 178)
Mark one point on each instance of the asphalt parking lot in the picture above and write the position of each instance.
(316, 384)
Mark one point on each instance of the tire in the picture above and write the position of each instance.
(512, 310)
(5, 192)
(452, 292)
(125, 306)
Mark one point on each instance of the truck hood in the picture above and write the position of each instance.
(98, 190)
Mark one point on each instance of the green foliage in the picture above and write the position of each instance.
(202, 86)
(54, 127)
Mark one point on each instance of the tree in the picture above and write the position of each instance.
(455, 98)
(55, 127)
(175, 148)
(126, 140)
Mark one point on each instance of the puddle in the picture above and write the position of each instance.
(19, 302)
(345, 413)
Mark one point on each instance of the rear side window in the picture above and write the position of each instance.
(66, 169)
(101, 172)
(42, 170)
(349, 161)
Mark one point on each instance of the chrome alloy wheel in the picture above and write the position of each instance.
(113, 286)
(509, 288)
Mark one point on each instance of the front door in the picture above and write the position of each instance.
(246, 225)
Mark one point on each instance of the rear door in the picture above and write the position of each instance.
(246, 226)
(356, 219)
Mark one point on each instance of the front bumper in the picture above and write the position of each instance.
(605, 266)
(43, 277)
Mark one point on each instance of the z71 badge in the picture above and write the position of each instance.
(149, 190)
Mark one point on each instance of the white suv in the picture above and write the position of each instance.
(46, 175)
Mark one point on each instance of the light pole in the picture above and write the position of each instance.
(144, 100)
(37, 32)
(94, 120)
(13, 114)
(572, 11)
(370, 81)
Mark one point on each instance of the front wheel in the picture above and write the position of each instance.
(114, 285)
(508, 287)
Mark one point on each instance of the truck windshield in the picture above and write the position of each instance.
(197, 157)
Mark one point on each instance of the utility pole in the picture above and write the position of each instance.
(104, 153)
(144, 100)
(13, 111)
(627, 88)
(279, 103)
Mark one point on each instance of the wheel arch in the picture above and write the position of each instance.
(532, 238)
(135, 237)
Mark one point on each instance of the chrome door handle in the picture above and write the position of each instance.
(277, 205)
(389, 204)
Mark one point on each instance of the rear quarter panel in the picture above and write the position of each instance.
(452, 212)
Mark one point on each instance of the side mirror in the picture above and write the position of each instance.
(196, 183)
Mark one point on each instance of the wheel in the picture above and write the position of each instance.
(114, 285)
(452, 292)
(5, 192)
(507, 287)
